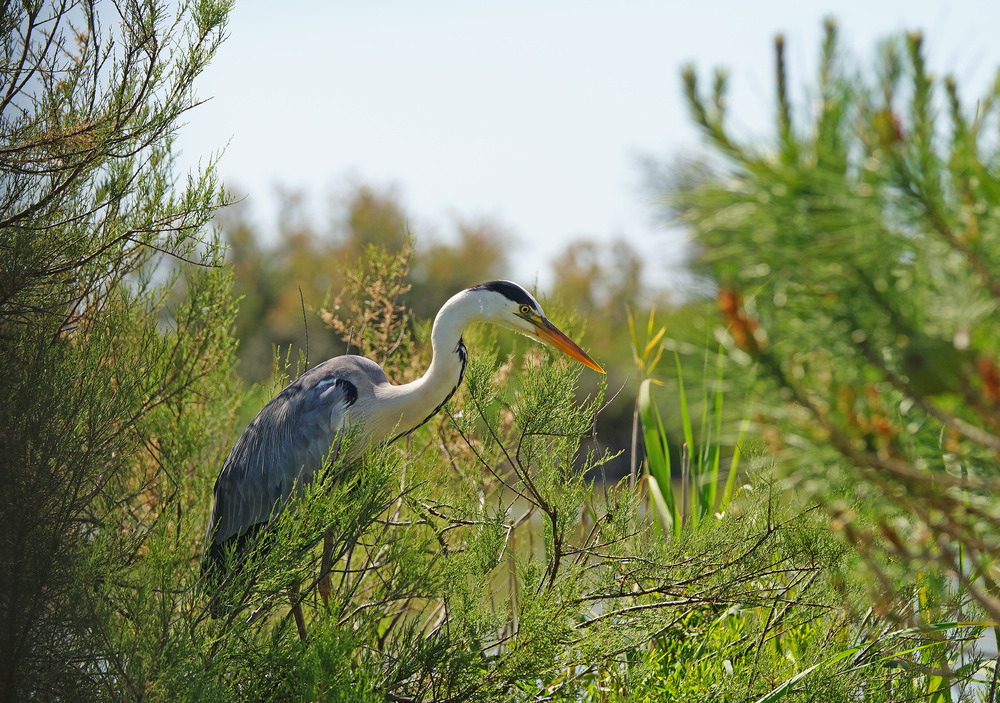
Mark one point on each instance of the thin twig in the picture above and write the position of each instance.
(991, 698)
(305, 326)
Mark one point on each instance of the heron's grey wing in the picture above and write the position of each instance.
(280, 450)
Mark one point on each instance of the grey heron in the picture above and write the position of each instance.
(286, 444)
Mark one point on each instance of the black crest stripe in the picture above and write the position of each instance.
(509, 290)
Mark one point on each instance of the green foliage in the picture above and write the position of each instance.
(817, 637)
(786, 619)
(700, 478)
(368, 314)
(855, 258)
(110, 384)
(474, 562)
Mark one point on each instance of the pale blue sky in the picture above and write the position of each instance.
(532, 113)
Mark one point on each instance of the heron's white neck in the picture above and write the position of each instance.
(410, 405)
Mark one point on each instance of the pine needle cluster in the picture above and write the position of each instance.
(855, 258)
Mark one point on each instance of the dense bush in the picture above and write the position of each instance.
(110, 385)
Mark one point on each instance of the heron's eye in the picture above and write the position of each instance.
(526, 310)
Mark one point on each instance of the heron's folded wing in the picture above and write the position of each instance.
(277, 454)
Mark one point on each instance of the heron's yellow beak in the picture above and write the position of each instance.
(550, 334)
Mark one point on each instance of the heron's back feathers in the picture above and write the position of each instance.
(285, 445)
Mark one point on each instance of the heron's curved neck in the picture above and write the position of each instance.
(415, 403)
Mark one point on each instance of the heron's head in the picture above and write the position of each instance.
(509, 305)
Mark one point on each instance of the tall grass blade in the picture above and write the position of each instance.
(651, 344)
(685, 411)
(688, 430)
(734, 465)
(657, 458)
(711, 483)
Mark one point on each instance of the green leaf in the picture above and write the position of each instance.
(657, 457)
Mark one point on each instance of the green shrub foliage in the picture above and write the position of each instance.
(114, 314)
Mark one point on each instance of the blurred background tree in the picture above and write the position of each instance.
(273, 261)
